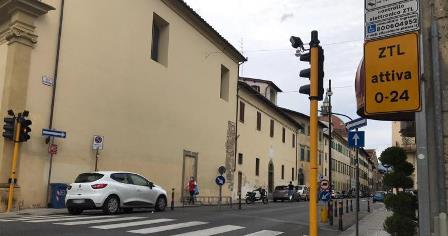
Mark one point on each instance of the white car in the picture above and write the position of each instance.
(112, 191)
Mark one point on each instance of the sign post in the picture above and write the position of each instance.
(220, 181)
(97, 145)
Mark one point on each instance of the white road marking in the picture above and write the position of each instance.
(74, 218)
(31, 218)
(167, 227)
(86, 222)
(129, 224)
(212, 231)
(265, 233)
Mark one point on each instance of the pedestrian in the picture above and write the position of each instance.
(290, 190)
(192, 187)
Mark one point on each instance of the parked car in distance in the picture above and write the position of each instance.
(112, 191)
(379, 196)
(280, 193)
(301, 192)
(336, 195)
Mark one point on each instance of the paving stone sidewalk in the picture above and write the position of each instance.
(371, 224)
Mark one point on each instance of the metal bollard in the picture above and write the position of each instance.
(341, 210)
(330, 212)
(336, 208)
(346, 205)
(351, 205)
(368, 205)
(172, 199)
(239, 200)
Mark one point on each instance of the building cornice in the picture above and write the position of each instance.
(17, 17)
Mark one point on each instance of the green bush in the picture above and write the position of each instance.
(399, 225)
(404, 205)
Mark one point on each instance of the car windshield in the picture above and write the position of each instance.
(88, 177)
(299, 187)
(281, 188)
(379, 194)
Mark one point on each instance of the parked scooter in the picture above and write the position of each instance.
(257, 195)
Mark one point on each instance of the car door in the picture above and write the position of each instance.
(144, 192)
(125, 190)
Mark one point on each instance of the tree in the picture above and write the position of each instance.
(403, 204)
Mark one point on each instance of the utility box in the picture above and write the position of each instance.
(58, 192)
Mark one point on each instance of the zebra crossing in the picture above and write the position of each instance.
(140, 225)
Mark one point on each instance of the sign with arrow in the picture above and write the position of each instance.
(54, 133)
(356, 139)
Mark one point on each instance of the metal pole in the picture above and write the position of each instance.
(424, 221)
(49, 174)
(357, 190)
(96, 160)
(220, 195)
(329, 150)
(13, 166)
(313, 230)
(172, 199)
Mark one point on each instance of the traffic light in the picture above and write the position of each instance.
(9, 127)
(306, 73)
(24, 129)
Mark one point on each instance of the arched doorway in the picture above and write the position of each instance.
(271, 177)
(301, 177)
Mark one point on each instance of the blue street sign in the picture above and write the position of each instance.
(324, 196)
(356, 139)
(220, 180)
(54, 133)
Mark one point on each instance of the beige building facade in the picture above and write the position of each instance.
(155, 80)
(403, 135)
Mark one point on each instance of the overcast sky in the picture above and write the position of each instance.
(261, 30)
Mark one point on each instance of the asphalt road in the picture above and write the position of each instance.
(257, 220)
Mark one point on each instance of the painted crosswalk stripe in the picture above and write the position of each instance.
(212, 231)
(67, 219)
(167, 227)
(27, 218)
(5, 220)
(265, 233)
(130, 224)
(86, 222)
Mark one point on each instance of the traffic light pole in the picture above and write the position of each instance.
(15, 154)
(313, 231)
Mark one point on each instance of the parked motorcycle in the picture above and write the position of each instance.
(257, 195)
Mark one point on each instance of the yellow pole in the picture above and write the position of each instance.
(313, 144)
(13, 166)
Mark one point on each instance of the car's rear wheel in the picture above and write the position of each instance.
(74, 210)
(111, 205)
(160, 203)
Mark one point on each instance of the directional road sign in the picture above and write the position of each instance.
(392, 77)
(358, 123)
(356, 139)
(54, 133)
(325, 196)
(220, 180)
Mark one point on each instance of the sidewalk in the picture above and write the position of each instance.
(34, 211)
(370, 225)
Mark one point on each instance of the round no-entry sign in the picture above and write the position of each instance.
(324, 184)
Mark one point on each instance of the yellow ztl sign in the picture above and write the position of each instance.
(392, 76)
